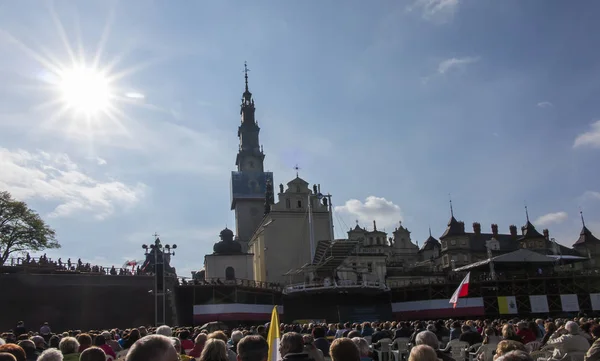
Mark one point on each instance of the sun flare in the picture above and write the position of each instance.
(85, 90)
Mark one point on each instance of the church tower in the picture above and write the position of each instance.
(248, 183)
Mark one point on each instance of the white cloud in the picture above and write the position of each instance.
(386, 213)
(55, 178)
(551, 218)
(545, 104)
(100, 161)
(452, 63)
(591, 196)
(439, 11)
(135, 95)
(590, 138)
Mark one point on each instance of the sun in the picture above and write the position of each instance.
(85, 90)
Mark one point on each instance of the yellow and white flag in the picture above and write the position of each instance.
(507, 305)
(273, 337)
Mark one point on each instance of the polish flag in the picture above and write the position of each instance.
(461, 291)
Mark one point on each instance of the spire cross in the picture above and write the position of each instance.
(297, 169)
(357, 222)
(155, 235)
(451, 209)
(246, 70)
(581, 214)
(526, 213)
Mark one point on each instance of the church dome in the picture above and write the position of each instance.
(227, 245)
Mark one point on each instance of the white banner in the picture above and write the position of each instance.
(595, 298)
(539, 304)
(570, 303)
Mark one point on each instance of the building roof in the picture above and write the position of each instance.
(518, 256)
(586, 237)
(529, 232)
(454, 228)
(430, 244)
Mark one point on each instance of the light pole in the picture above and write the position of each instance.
(159, 274)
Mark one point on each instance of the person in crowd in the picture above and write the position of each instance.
(490, 337)
(343, 349)
(340, 330)
(100, 342)
(470, 336)
(54, 342)
(525, 333)
(363, 348)
(367, 330)
(51, 354)
(69, 348)
(593, 353)
(310, 349)
(506, 346)
(429, 338)
(517, 355)
(45, 330)
(15, 350)
(20, 329)
(455, 330)
(132, 338)
(422, 353)
(39, 342)
(144, 331)
(403, 331)
(111, 342)
(419, 327)
(236, 337)
(164, 330)
(5, 356)
(252, 348)
(198, 345)
(584, 330)
(85, 341)
(321, 341)
(186, 344)
(153, 348)
(177, 345)
(292, 347)
(220, 335)
(215, 349)
(508, 333)
(549, 329)
(92, 354)
(567, 339)
(29, 347)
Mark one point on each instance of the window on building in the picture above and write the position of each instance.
(453, 242)
(378, 240)
(370, 240)
(463, 242)
(444, 244)
(229, 274)
(299, 204)
(297, 189)
(288, 203)
(465, 258)
(369, 267)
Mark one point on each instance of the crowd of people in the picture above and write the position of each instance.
(484, 340)
(44, 262)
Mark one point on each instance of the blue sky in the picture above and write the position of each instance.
(391, 106)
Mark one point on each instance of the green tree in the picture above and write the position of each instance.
(22, 229)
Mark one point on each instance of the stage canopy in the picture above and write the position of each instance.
(514, 258)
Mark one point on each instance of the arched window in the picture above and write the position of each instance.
(299, 204)
(287, 203)
(229, 274)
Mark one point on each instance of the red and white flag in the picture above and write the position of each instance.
(461, 291)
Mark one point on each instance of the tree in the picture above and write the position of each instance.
(22, 229)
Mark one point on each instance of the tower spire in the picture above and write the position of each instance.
(526, 213)
(429, 231)
(581, 214)
(451, 209)
(246, 70)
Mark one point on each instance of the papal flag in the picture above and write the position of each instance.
(507, 305)
(273, 337)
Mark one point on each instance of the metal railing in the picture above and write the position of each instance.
(184, 281)
(339, 285)
(33, 264)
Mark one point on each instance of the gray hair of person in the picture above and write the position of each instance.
(68, 345)
(422, 353)
(572, 327)
(164, 330)
(431, 328)
(291, 342)
(363, 346)
(516, 355)
(150, 348)
(427, 338)
(50, 354)
(236, 336)
(107, 336)
(176, 344)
